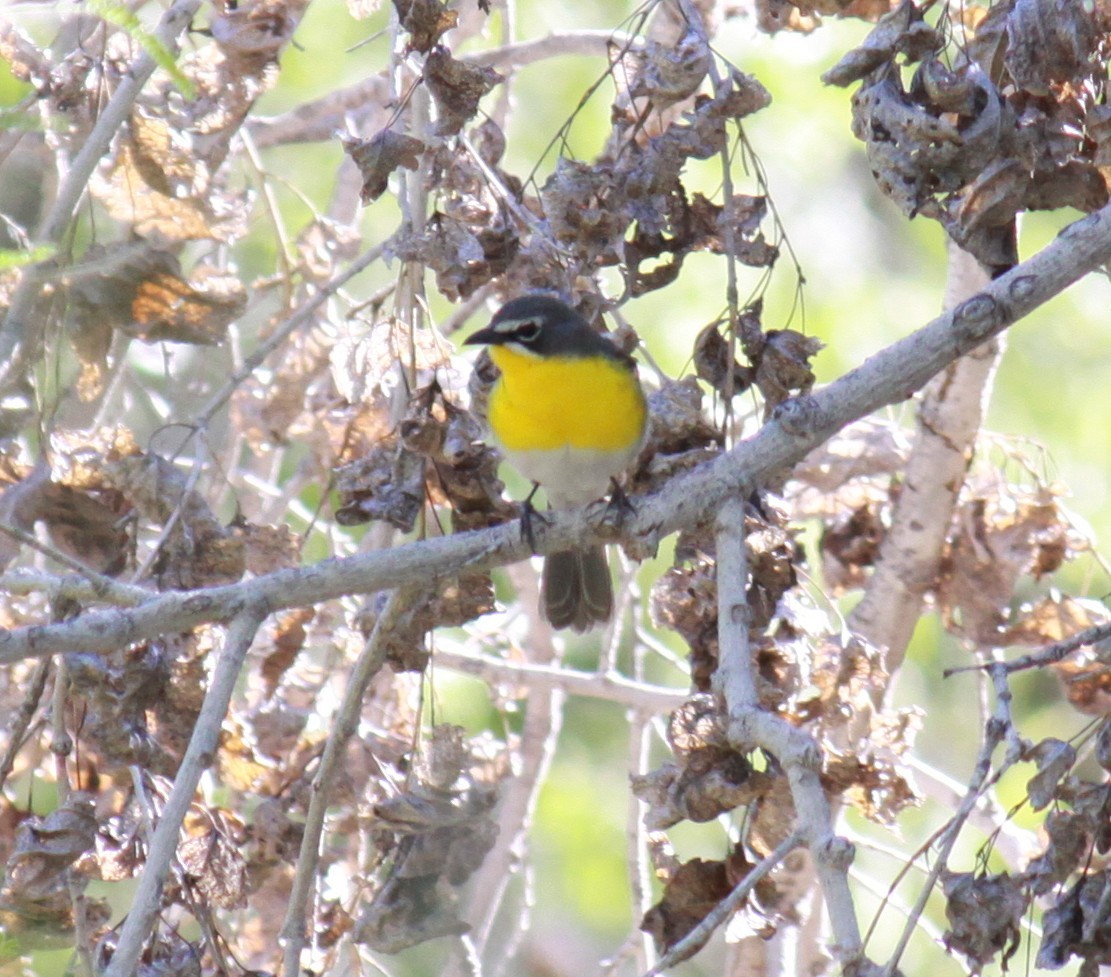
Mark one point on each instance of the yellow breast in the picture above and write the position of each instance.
(556, 402)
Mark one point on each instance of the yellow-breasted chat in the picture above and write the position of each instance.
(569, 414)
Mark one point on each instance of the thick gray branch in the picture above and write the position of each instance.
(888, 377)
(949, 419)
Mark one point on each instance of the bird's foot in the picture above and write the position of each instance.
(529, 512)
(616, 509)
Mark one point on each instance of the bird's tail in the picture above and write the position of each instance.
(577, 592)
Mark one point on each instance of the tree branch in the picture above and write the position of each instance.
(13, 332)
(198, 758)
(610, 686)
(1050, 655)
(487, 890)
(949, 419)
(346, 722)
(697, 937)
(797, 426)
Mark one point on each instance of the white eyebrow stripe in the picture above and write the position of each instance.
(509, 325)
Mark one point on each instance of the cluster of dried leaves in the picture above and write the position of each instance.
(374, 413)
(1012, 118)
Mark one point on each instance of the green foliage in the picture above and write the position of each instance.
(121, 16)
(11, 258)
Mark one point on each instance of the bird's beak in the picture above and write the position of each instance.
(483, 336)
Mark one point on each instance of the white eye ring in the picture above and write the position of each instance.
(527, 331)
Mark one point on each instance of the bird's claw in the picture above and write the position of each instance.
(614, 510)
(619, 507)
(529, 512)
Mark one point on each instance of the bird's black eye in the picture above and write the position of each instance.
(527, 331)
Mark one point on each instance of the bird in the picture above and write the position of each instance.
(568, 412)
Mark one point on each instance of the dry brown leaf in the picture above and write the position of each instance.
(1055, 760)
(36, 905)
(160, 185)
(426, 21)
(985, 914)
(141, 292)
(684, 599)
(1068, 844)
(78, 458)
(901, 30)
(997, 541)
(691, 892)
(973, 145)
(708, 777)
(289, 639)
(211, 860)
(456, 87)
(167, 308)
(386, 484)
(200, 551)
(1086, 678)
(1078, 925)
(667, 74)
(1053, 619)
(378, 156)
(850, 545)
(251, 35)
(679, 437)
(87, 525)
(238, 762)
(437, 831)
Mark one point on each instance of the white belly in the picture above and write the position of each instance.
(572, 478)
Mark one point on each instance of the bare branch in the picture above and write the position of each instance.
(611, 686)
(1058, 651)
(996, 730)
(750, 727)
(734, 680)
(13, 332)
(797, 426)
(949, 419)
(198, 757)
(539, 735)
(697, 937)
(346, 722)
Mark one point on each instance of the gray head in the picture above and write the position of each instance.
(540, 325)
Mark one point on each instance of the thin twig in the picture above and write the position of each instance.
(728, 224)
(101, 587)
(1049, 655)
(995, 731)
(147, 901)
(61, 745)
(369, 663)
(21, 721)
(174, 518)
(301, 317)
(640, 871)
(13, 333)
(1014, 844)
(538, 739)
(610, 686)
(697, 937)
